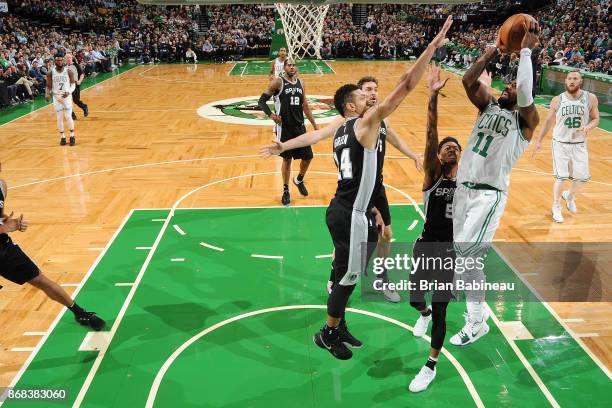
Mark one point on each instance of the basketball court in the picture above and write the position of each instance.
(165, 221)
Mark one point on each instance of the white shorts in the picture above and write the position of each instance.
(61, 104)
(476, 216)
(570, 161)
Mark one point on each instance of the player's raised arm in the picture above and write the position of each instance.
(431, 163)
(273, 87)
(368, 126)
(307, 110)
(402, 146)
(548, 123)
(307, 139)
(528, 113)
(479, 93)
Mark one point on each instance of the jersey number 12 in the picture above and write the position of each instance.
(294, 100)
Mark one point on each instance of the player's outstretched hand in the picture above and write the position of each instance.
(433, 79)
(486, 78)
(440, 39)
(12, 224)
(418, 163)
(273, 149)
(530, 39)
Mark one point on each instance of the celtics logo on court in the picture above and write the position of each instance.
(245, 111)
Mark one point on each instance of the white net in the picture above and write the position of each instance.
(303, 25)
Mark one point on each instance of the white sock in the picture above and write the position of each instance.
(68, 114)
(475, 311)
(557, 188)
(575, 188)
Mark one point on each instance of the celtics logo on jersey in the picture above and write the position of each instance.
(245, 110)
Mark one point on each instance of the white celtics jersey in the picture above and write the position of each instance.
(61, 81)
(279, 67)
(571, 115)
(494, 146)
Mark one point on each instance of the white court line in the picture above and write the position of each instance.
(244, 69)
(95, 249)
(158, 219)
(204, 244)
(177, 260)
(267, 256)
(179, 230)
(553, 402)
(34, 333)
(414, 224)
(23, 349)
(98, 361)
(124, 283)
(324, 256)
(556, 316)
(27, 363)
(143, 248)
(329, 65)
(168, 363)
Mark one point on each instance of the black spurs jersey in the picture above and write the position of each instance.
(358, 169)
(439, 210)
(381, 147)
(289, 104)
(2, 198)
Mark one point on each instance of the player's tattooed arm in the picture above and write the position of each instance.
(478, 93)
(593, 115)
(432, 165)
(307, 110)
(548, 123)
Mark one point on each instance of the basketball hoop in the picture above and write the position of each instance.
(303, 25)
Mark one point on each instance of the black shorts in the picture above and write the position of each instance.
(301, 153)
(382, 204)
(432, 252)
(349, 231)
(15, 265)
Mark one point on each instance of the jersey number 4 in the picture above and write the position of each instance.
(345, 167)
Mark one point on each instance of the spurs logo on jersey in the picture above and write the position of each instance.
(572, 114)
(439, 210)
(494, 146)
(61, 81)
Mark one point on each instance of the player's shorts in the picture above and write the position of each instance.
(349, 230)
(570, 161)
(434, 257)
(301, 153)
(15, 265)
(382, 204)
(60, 104)
(476, 216)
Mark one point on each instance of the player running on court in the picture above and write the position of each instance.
(61, 82)
(575, 112)
(500, 136)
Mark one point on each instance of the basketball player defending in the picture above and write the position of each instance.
(18, 268)
(278, 65)
(349, 216)
(576, 112)
(436, 240)
(291, 105)
(60, 84)
(369, 85)
(500, 136)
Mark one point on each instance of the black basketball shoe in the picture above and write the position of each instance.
(86, 111)
(286, 199)
(72, 141)
(346, 337)
(301, 186)
(329, 339)
(63, 141)
(90, 319)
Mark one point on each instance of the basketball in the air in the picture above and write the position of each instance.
(512, 31)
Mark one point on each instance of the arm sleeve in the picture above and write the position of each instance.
(524, 79)
(263, 99)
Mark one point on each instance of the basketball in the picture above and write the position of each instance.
(512, 31)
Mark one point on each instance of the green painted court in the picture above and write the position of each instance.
(206, 298)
